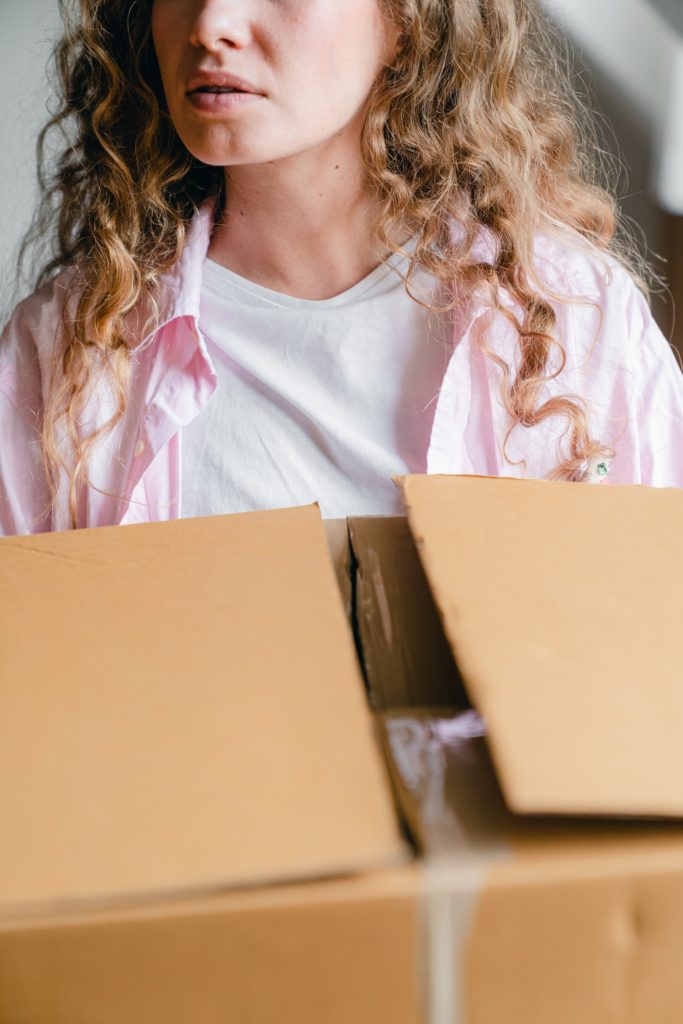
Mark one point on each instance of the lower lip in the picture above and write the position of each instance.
(221, 102)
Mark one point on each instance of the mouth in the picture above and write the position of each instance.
(217, 90)
(221, 98)
(215, 82)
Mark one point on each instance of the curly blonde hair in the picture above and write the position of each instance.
(473, 122)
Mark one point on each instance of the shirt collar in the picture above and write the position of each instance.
(180, 286)
(178, 290)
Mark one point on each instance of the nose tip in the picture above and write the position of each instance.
(219, 24)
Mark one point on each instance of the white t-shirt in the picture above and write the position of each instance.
(316, 400)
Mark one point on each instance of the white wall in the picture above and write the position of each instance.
(629, 41)
(637, 58)
(27, 30)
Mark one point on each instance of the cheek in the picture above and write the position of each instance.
(333, 51)
(158, 29)
(166, 27)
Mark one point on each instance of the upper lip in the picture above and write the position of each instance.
(219, 79)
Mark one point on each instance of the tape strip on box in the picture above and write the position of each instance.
(432, 760)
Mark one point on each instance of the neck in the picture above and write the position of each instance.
(300, 226)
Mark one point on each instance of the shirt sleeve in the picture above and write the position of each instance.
(24, 493)
(658, 400)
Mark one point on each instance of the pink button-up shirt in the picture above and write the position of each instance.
(617, 360)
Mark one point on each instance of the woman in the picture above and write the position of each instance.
(303, 246)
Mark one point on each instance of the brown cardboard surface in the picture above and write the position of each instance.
(562, 605)
(552, 920)
(181, 710)
(602, 947)
(337, 533)
(406, 657)
(332, 951)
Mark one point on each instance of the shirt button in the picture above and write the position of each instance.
(139, 448)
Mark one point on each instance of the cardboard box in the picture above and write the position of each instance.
(561, 605)
(196, 821)
(200, 828)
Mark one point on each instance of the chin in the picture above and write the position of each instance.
(219, 152)
(214, 156)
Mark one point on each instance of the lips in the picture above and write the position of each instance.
(218, 83)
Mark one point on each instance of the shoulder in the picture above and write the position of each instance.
(598, 305)
(602, 317)
(617, 359)
(32, 333)
(565, 264)
(572, 268)
(610, 355)
(50, 297)
(41, 312)
(600, 309)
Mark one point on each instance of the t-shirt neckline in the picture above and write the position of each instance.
(217, 275)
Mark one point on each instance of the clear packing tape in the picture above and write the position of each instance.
(432, 759)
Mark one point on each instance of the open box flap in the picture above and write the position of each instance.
(181, 709)
(406, 658)
(562, 604)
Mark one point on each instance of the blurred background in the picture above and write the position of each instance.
(628, 56)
